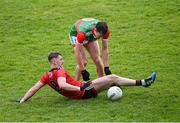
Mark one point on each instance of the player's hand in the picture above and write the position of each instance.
(107, 70)
(85, 85)
(85, 75)
(19, 101)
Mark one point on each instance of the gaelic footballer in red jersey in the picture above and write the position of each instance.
(62, 82)
(85, 33)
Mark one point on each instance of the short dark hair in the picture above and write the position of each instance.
(102, 27)
(53, 55)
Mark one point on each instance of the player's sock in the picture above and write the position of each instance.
(142, 82)
(138, 82)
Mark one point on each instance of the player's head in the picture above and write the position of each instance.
(101, 28)
(56, 59)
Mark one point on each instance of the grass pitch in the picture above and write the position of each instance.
(144, 38)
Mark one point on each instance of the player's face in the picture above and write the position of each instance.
(60, 61)
(97, 34)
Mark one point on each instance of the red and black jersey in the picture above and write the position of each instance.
(51, 77)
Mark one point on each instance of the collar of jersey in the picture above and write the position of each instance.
(54, 69)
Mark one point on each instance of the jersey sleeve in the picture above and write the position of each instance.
(106, 36)
(43, 78)
(81, 36)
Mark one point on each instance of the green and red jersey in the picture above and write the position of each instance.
(84, 29)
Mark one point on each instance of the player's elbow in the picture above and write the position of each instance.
(62, 85)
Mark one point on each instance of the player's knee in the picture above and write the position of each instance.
(85, 63)
(112, 78)
(97, 61)
(79, 68)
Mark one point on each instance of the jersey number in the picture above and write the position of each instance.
(55, 86)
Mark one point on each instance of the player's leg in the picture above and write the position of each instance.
(106, 81)
(73, 40)
(93, 49)
(84, 61)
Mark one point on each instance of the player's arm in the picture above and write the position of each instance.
(106, 52)
(66, 86)
(106, 58)
(105, 48)
(32, 91)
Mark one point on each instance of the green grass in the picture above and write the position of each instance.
(145, 37)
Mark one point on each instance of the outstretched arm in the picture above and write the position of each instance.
(31, 91)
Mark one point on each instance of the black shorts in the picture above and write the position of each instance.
(91, 93)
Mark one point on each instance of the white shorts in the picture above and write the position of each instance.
(73, 40)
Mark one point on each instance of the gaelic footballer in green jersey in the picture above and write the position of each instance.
(85, 33)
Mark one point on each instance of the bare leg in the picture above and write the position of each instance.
(93, 49)
(106, 81)
(78, 70)
(78, 73)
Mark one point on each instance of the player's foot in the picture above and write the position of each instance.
(149, 80)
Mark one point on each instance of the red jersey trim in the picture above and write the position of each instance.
(81, 36)
(77, 25)
(106, 36)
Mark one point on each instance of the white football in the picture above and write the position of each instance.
(114, 93)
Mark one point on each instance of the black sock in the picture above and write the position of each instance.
(138, 82)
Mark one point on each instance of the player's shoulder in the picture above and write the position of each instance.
(45, 74)
(44, 77)
(61, 70)
(49, 74)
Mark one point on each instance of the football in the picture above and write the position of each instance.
(114, 93)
